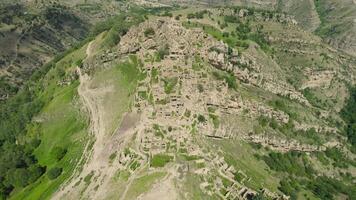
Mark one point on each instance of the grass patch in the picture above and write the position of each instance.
(160, 160)
(241, 156)
(123, 79)
(169, 84)
(143, 184)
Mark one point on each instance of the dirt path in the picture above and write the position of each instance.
(96, 156)
(91, 101)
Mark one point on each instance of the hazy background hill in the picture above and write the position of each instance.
(33, 32)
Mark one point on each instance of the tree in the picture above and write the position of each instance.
(54, 173)
(58, 153)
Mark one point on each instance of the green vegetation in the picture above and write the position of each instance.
(324, 29)
(242, 157)
(88, 177)
(228, 77)
(160, 160)
(201, 119)
(191, 187)
(36, 96)
(15, 124)
(300, 175)
(123, 77)
(283, 105)
(293, 163)
(162, 51)
(119, 26)
(348, 113)
(215, 120)
(200, 88)
(169, 84)
(149, 32)
(339, 158)
(154, 75)
(58, 153)
(54, 172)
(112, 157)
(313, 99)
(197, 15)
(143, 184)
(238, 38)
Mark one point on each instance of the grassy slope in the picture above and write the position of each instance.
(337, 23)
(303, 11)
(143, 184)
(121, 78)
(241, 156)
(63, 126)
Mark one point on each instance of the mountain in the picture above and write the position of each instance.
(240, 100)
(33, 32)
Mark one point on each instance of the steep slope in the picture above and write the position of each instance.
(30, 39)
(218, 103)
(303, 11)
(338, 23)
(200, 103)
(33, 32)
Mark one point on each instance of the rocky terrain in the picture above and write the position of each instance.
(191, 103)
(181, 103)
(33, 32)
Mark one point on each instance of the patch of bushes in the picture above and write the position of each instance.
(54, 172)
(348, 113)
(88, 177)
(149, 32)
(292, 162)
(339, 158)
(299, 174)
(201, 119)
(313, 99)
(163, 51)
(197, 15)
(325, 188)
(228, 77)
(282, 105)
(58, 153)
(215, 119)
(169, 84)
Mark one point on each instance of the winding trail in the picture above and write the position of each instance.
(93, 160)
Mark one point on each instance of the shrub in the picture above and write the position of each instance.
(169, 84)
(54, 172)
(35, 143)
(200, 88)
(167, 14)
(162, 52)
(201, 118)
(88, 177)
(149, 32)
(58, 153)
(348, 113)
